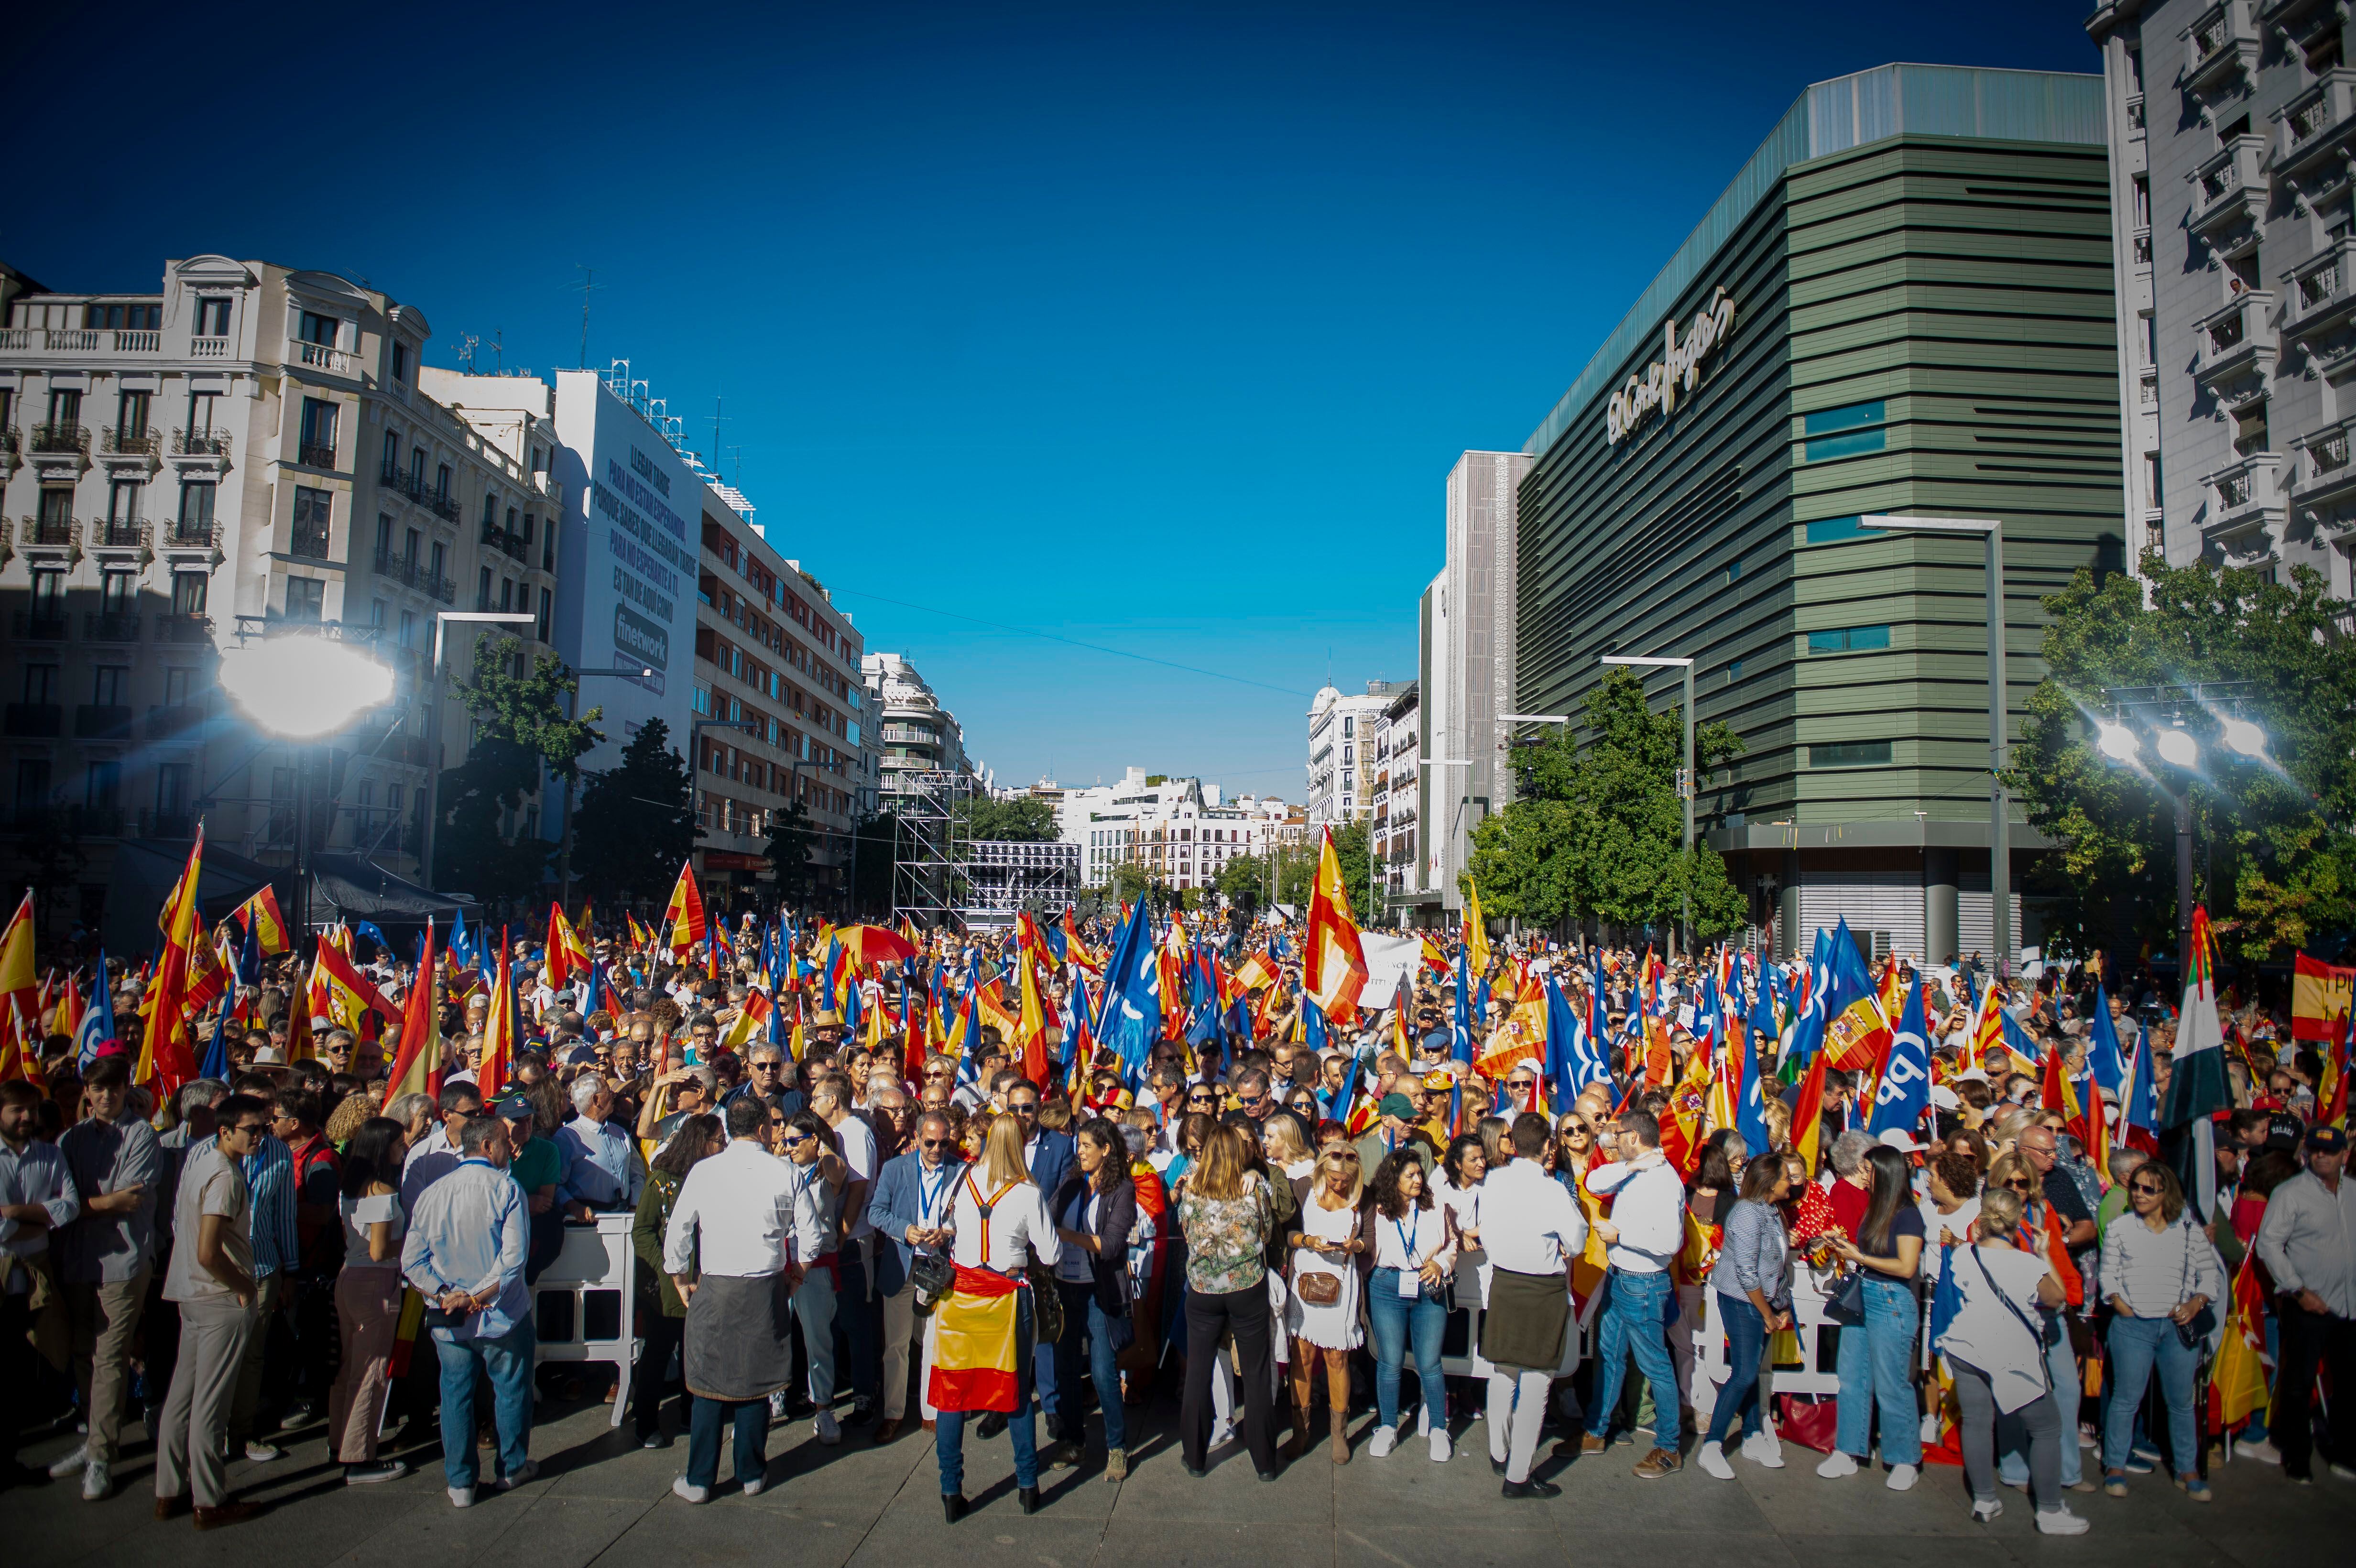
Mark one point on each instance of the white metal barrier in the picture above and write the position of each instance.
(584, 1302)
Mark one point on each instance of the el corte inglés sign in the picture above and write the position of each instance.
(1657, 391)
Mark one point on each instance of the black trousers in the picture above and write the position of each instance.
(662, 1336)
(2309, 1339)
(1245, 1313)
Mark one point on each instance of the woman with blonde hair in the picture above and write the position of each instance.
(1226, 1213)
(1001, 1224)
(1320, 1311)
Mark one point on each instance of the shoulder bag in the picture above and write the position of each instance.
(2036, 1334)
(2203, 1323)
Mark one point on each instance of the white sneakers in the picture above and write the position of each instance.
(1762, 1449)
(1836, 1464)
(462, 1496)
(2263, 1452)
(682, 1488)
(776, 1404)
(1441, 1450)
(1988, 1508)
(96, 1484)
(1901, 1478)
(71, 1464)
(522, 1475)
(1222, 1431)
(752, 1489)
(829, 1431)
(2061, 1522)
(1386, 1439)
(1711, 1457)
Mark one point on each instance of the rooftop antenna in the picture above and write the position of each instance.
(467, 344)
(736, 457)
(587, 285)
(717, 419)
(499, 351)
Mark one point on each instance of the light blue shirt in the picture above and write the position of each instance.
(471, 1231)
(270, 1178)
(601, 1164)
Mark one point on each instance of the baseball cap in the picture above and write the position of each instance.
(1900, 1140)
(1398, 1106)
(2326, 1139)
(2283, 1130)
(516, 1108)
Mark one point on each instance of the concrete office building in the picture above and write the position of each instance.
(1465, 653)
(2231, 128)
(1902, 303)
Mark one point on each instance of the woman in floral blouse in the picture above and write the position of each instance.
(1226, 1214)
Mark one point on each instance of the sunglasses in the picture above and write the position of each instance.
(1022, 1110)
(251, 1129)
(936, 1143)
(794, 1140)
(2022, 1184)
(1251, 1099)
(2144, 1190)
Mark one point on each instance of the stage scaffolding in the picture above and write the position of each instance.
(926, 852)
(999, 877)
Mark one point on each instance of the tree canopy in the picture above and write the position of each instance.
(1027, 819)
(636, 825)
(521, 728)
(2272, 855)
(1597, 828)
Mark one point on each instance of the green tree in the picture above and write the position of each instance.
(2273, 857)
(1130, 880)
(638, 823)
(1598, 829)
(1026, 820)
(791, 838)
(522, 734)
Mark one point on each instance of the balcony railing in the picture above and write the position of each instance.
(39, 626)
(315, 454)
(184, 628)
(99, 628)
(46, 530)
(2229, 185)
(101, 722)
(2315, 126)
(321, 357)
(188, 535)
(128, 443)
(164, 721)
(415, 574)
(153, 823)
(201, 443)
(60, 438)
(109, 535)
(207, 347)
(33, 721)
(445, 508)
(309, 540)
(2222, 42)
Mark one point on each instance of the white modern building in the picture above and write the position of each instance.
(1342, 732)
(1181, 830)
(1467, 639)
(2231, 128)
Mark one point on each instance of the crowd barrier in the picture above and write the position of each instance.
(584, 1300)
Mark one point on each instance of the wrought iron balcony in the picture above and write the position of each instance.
(201, 443)
(60, 438)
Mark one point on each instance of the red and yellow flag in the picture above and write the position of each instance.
(683, 925)
(164, 1059)
(568, 955)
(17, 977)
(2237, 1379)
(973, 1344)
(1333, 960)
(417, 1062)
(499, 1029)
(261, 912)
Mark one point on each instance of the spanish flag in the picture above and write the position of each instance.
(1334, 960)
(18, 976)
(1476, 931)
(567, 954)
(417, 1063)
(2237, 1379)
(683, 925)
(973, 1344)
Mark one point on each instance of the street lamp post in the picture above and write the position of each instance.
(1446, 762)
(1991, 530)
(2182, 751)
(441, 621)
(1686, 789)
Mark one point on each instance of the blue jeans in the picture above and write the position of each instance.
(2061, 1373)
(752, 1418)
(1087, 1340)
(507, 1361)
(1637, 1322)
(1876, 1362)
(2137, 1344)
(1395, 1320)
(948, 1425)
(859, 1322)
(1746, 1342)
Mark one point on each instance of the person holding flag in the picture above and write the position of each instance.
(2161, 1277)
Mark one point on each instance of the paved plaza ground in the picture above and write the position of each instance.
(601, 1499)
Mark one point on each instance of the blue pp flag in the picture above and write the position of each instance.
(216, 1063)
(97, 1020)
(1904, 1092)
(1459, 1025)
(2103, 1057)
(1133, 1000)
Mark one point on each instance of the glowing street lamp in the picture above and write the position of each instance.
(300, 692)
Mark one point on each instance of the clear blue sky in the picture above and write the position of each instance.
(1157, 327)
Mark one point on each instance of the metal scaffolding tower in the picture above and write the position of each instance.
(927, 859)
(998, 877)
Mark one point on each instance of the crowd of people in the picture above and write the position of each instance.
(884, 1229)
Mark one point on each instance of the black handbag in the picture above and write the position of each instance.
(1846, 1307)
(934, 1275)
(2203, 1323)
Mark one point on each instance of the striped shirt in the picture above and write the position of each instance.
(270, 1177)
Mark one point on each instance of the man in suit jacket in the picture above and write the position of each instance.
(911, 1207)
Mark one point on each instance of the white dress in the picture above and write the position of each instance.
(1337, 1327)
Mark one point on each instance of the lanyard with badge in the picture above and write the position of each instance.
(929, 1201)
(1410, 1277)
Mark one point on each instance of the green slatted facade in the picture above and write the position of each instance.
(1943, 305)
